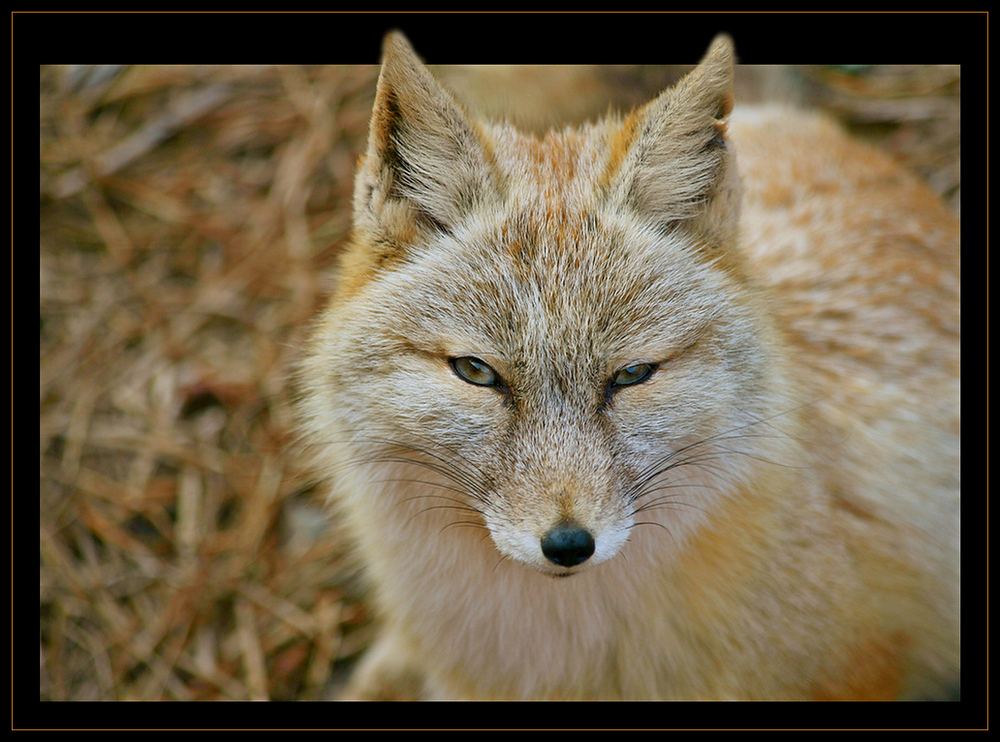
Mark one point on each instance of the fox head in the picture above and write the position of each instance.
(555, 337)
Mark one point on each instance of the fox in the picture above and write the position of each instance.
(660, 406)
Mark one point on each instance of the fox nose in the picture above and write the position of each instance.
(568, 544)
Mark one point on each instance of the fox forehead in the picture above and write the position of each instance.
(501, 283)
(557, 228)
(562, 171)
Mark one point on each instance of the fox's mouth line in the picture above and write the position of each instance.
(563, 574)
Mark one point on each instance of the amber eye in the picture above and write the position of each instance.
(474, 371)
(635, 373)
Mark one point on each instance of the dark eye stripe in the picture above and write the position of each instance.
(474, 371)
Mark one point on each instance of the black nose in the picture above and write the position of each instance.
(568, 545)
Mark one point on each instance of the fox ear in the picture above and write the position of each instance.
(425, 167)
(675, 166)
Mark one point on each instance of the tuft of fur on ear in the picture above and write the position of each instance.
(425, 166)
(674, 166)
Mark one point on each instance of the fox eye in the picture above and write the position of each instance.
(474, 371)
(635, 373)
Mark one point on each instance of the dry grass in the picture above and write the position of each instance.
(187, 217)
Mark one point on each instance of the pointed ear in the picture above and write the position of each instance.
(675, 167)
(426, 168)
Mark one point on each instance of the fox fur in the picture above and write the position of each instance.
(664, 406)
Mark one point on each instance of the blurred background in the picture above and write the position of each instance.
(188, 218)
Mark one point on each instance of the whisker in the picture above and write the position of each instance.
(439, 485)
(458, 485)
(503, 558)
(470, 483)
(462, 508)
(652, 523)
(666, 502)
(463, 524)
(708, 455)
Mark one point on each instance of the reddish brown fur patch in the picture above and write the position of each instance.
(853, 508)
(872, 671)
(619, 143)
(363, 260)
